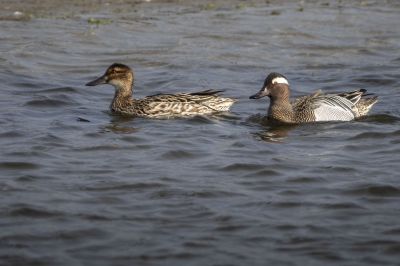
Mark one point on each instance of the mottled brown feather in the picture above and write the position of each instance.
(159, 105)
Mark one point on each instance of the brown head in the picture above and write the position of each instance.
(275, 87)
(118, 75)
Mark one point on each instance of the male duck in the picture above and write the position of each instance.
(159, 105)
(316, 107)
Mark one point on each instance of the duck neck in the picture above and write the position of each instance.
(280, 108)
(123, 93)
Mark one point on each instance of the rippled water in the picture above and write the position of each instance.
(80, 186)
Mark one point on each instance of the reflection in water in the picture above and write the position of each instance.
(123, 124)
(120, 129)
(272, 131)
(380, 118)
(120, 125)
(275, 133)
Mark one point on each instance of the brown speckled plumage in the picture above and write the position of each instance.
(159, 105)
(315, 107)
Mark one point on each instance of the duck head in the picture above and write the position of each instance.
(275, 85)
(118, 75)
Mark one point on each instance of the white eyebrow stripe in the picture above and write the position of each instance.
(280, 80)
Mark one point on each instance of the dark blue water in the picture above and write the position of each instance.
(81, 186)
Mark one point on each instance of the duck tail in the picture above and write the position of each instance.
(365, 104)
(356, 96)
(368, 100)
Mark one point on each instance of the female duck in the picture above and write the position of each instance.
(316, 107)
(159, 105)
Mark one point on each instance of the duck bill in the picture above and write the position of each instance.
(98, 81)
(262, 93)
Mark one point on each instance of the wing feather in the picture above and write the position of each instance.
(333, 107)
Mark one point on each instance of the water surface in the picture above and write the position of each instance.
(81, 186)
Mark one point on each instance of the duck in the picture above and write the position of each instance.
(159, 105)
(344, 106)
